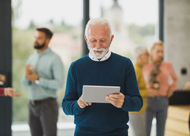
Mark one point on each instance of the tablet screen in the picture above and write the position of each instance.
(97, 94)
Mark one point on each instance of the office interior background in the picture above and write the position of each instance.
(134, 23)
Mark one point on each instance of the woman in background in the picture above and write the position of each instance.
(137, 119)
(157, 73)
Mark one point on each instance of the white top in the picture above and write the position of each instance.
(103, 59)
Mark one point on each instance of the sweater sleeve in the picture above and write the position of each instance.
(133, 100)
(2, 92)
(69, 103)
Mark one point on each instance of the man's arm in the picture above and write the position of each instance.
(58, 80)
(131, 100)
(57, 71)
(69, 104)
(25, 81)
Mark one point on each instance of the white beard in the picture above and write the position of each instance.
(98, 55)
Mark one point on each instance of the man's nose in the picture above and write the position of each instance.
(98, 45)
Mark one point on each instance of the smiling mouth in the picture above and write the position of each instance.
(98, 52)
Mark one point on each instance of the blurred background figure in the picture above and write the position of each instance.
(186, 85)
(157, 74)
(2, 79)
(137, 119)
(9, 92)
(44, 75)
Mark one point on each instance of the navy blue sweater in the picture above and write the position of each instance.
(115, 71)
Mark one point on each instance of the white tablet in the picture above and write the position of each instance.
(97, 94)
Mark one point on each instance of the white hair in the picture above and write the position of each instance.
(137, 51)
(97, 21)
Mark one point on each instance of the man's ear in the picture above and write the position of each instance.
(111, 38)
(85, 38)
(47, 41)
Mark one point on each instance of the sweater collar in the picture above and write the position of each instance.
(103, 59)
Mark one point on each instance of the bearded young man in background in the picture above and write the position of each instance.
(44, 75)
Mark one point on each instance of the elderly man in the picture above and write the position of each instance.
(101, 67)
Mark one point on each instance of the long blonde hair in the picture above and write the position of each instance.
(160, 43)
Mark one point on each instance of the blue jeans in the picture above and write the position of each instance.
(156, 107)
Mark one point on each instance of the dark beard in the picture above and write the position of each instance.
(39, 46)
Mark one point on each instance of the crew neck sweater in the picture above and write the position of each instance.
(101, 118)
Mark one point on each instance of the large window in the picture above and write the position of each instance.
(64, 18)
(133, 22)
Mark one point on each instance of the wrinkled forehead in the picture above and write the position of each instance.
(98, 30)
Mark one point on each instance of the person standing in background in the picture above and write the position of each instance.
(44, 75)
(137, 119)
(156, 74)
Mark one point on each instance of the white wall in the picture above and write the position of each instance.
(177, 37)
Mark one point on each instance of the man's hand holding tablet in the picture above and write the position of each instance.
(101, 94)
(116, 100)
(83, 104)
